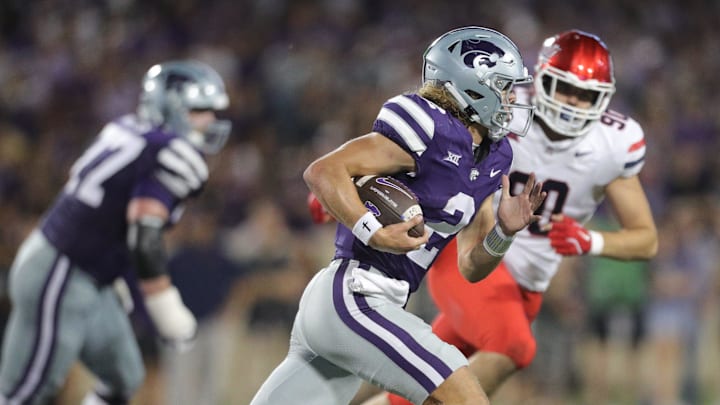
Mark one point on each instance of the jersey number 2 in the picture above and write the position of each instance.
(462, 203)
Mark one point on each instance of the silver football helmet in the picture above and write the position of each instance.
(171, 89)
(479, 67)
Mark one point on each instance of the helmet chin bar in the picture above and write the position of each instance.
(563, 118)
(216, 135)
(497, 133)
(212, 139)
(515, 118)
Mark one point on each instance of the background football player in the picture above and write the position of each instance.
(122, 194)
(583, 153)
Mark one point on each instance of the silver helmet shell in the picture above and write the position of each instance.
(171, 89)
(479, 67)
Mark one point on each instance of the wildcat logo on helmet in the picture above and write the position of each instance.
(478, 52)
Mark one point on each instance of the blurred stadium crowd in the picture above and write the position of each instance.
(305, 75)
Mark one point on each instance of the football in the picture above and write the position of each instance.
(390, 200)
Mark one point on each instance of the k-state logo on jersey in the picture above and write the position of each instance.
(477, 52)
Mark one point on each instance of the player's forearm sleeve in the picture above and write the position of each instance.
(147, 250)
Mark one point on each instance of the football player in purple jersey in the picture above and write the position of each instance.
(446, 142)
(126, 188)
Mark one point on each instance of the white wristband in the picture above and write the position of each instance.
(496, 243)
(365, 227)
(170, 315)
(597, 243)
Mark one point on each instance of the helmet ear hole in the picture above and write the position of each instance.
(474, 95)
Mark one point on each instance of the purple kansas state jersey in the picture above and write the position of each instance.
(448, 182)
(88, 223)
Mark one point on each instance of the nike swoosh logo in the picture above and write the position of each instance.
(494, 172)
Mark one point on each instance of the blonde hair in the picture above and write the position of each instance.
(438, 94)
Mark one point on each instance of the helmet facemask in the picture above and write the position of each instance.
(511, 117)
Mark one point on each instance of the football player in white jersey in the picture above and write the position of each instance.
(583, 153)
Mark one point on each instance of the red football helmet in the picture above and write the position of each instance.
(573, 62)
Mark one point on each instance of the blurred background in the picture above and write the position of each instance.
(303, 77)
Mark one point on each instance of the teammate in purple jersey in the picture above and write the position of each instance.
(447, 144)
(123, 192)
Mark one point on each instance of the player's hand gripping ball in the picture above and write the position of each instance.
(390, 200)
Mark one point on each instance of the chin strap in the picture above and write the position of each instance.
(496, 133)
(482, 150)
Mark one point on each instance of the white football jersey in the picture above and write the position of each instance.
(575, 173)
